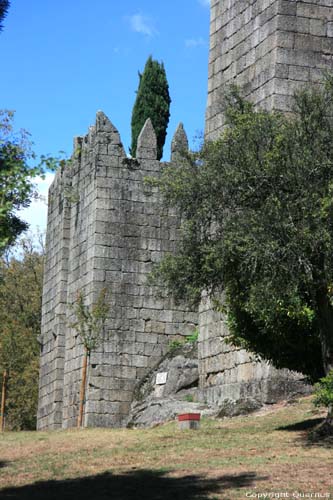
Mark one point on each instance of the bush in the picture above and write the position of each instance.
(324, 391)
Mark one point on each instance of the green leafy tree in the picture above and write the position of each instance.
(257, 210)
(16, 179)
(152, 101)
(89, 325)
(21, 277)
(324, 394)
(4, 6)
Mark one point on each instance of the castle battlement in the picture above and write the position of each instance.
(106, 229)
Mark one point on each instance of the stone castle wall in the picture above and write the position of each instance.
(232, 379)
(53, 327)
(267, 47)
(106, 229)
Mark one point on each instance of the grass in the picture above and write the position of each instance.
(268, 452)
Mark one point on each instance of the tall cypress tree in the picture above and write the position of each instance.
(152, 101)
(4, 6)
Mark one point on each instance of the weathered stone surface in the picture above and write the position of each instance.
(186, 425)
(158, 411)
(268, 48)
(179, 143)
(147, 143)
(232, 379)
(105, 230)
(180, 369)
(155, 403)
(229, 408)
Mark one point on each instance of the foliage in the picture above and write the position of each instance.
(16, 179)
(89, 323)
(175, 344)
(324, 391)
(257, 217)
(4, 6)
(193, 338)
(189, 339)
(152, 101)
(20, 316)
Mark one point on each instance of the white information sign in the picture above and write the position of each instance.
(161, 378)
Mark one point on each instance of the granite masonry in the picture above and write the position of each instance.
(232, 380)
(267, 47)
(107, 227)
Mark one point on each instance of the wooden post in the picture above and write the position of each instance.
(83, 388)
(3, 401)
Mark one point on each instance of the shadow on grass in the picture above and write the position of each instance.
(3, 464)
(314, 432)
(137, 484)
(305, 425)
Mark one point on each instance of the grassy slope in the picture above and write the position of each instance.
(225, 459)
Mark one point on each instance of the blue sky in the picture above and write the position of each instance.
(64, 60)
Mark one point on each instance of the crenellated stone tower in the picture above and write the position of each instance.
(106, 228)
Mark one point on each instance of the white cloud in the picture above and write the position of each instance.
(195, 42)
(36, 213)
(204, 3)
(142, 24)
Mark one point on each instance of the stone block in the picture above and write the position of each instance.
(186, 425)
(318, 27)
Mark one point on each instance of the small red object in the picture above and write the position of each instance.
(188, 416)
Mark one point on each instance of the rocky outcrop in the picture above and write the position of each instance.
(172, 387)
(169, 389)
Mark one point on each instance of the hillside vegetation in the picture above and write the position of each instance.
(268, 452)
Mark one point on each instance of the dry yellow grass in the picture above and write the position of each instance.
(265, 454)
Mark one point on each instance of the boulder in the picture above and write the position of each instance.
(168, 389)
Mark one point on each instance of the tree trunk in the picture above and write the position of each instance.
(325, 310)
(83, 388)
(3, 401)
(329, 417)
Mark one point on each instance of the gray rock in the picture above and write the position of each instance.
(147, 142)
(180, 367)
(234, 408)
(179, 143)
(169, 389)
(158, 411)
